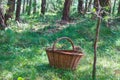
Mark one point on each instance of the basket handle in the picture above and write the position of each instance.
(53, 48)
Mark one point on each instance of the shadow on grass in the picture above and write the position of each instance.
(47, 72)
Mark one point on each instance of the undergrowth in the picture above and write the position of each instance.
(23, 56)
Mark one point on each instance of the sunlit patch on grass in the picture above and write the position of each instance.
(52, 14)
(6, 75)
(108, 63)
(118, 42)
(107, 66)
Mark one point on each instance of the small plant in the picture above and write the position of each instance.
(20, 78)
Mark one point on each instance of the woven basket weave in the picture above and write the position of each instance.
(65, 59)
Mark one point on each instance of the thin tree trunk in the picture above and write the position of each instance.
(98, 13)
(34, 7)
(95, 48)
(66, 10)
(2, 19)
(29, 8)
(89, 5)
(23, 10)
(80, 6)
(10, 11)
(114, 7)
(119, 8)
(43, 7)
(86, 4)
(18, 10)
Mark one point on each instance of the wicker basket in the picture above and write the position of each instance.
(65, 59)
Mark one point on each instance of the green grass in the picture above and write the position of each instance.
(22, 50)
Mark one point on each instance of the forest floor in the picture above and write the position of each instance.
(22, 49)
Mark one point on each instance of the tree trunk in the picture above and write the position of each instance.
(114, 7)
(119, 8)
(2, 19)
(18, 10)
(98, 13)
(80, 6)
(23, 10)
(89, 5)
(10, 11)
(95, 48)
(34, 6)
(43, 7)
(86, 6)
(29, 8)
(66, 10)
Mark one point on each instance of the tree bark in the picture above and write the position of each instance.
(80, 6)
(43, 7)
(18, 10)
(2, 19)
(10, 11)
(29, 8)
(34, 7)
(119, 8)
(66, 10)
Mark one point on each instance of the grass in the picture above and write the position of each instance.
(23, 56)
